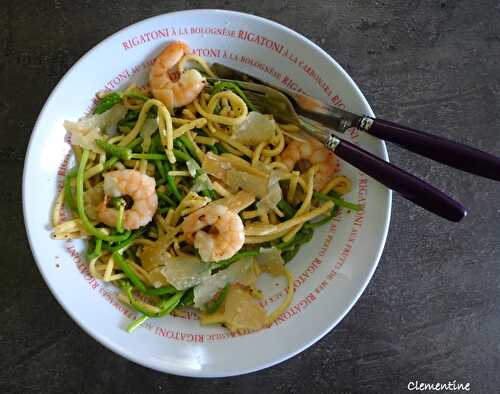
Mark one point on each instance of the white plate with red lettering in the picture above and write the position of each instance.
(331, 271)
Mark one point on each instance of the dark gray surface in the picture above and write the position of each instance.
(431, 312)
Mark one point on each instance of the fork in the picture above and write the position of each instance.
(269, 100)
(454, 154)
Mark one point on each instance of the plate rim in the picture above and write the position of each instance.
(102, 338)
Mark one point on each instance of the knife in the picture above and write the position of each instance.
(440, 149)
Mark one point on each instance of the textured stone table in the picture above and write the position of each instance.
(431, 312)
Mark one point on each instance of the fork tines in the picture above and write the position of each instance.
(258, 100)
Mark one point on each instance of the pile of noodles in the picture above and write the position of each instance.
(212, 151)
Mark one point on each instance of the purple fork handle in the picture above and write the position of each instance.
(409, 186)
(445, 151)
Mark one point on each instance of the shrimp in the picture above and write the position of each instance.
(140, 187)
(224, 237)
(312, 152)
(181, 91)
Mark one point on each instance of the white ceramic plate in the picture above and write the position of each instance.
(331, 272)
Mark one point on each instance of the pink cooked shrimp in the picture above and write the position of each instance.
(225, 235)
(140, 187)
(313, 152)
(181, 91)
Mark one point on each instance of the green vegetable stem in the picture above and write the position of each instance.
(107, 102)
(213, 305)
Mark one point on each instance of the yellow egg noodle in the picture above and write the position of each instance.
(185, 195)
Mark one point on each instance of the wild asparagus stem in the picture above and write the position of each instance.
(97, 250)
(287, 209)
(115, 150)
(236, 257)
(189, 146)
(68, 189)
(166, 307)
(181, 156)
(171, 184)
(128, 241)
(338, 201)
(166, 198)
(136, 323)
(213, 305)
(160, 168)
(160, 291)
(113, 160)
(149, 156)
(129, 273)
(120, 203)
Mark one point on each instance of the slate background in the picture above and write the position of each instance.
(431, 312)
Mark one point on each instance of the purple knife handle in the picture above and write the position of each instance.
(445, 151)
(409, 186)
